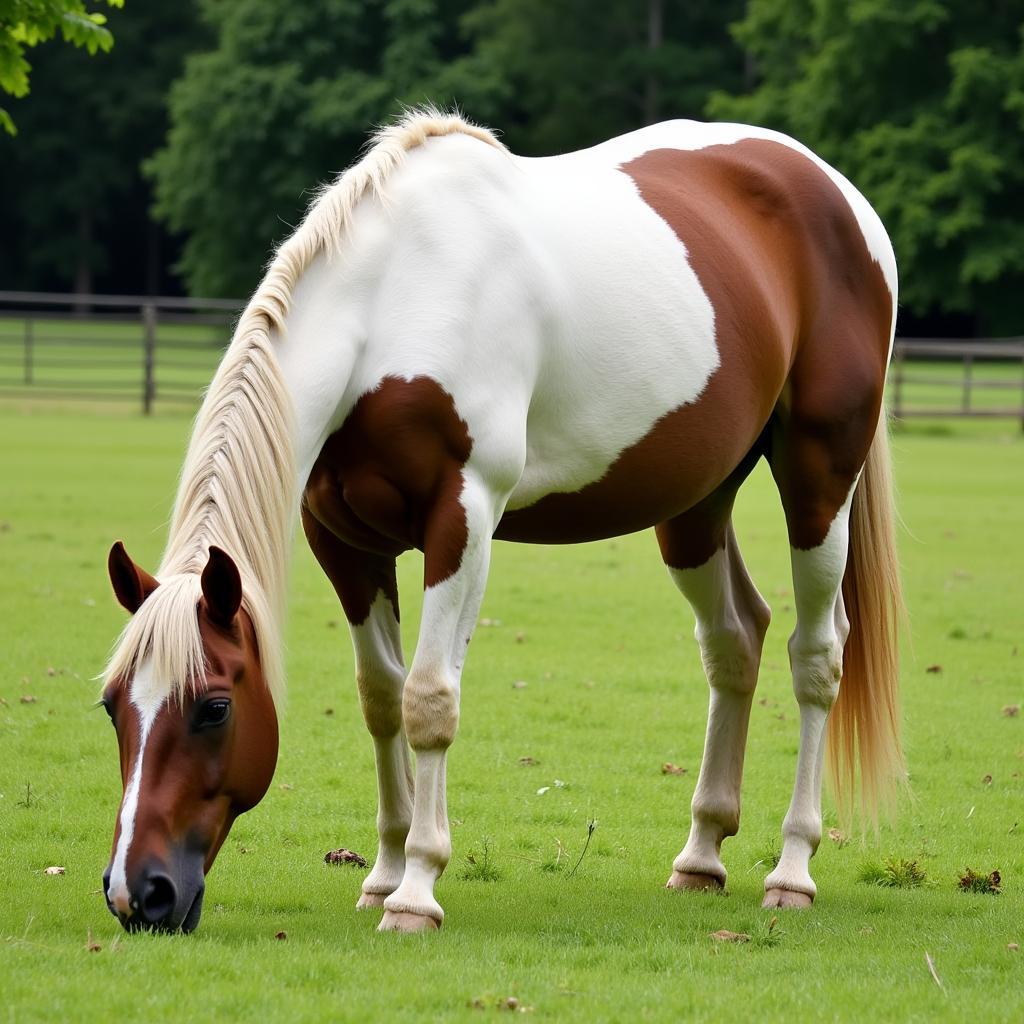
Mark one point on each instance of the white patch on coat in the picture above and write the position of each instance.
(147, 698)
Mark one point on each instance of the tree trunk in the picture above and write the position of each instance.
(83, 264)
(654, 39)
(152, 258)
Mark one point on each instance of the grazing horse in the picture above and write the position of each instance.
(459, 344)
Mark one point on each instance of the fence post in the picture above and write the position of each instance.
(148, 356)
(28, 350)
(897, 380)
(968, 367)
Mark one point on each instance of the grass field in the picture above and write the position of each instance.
(613, 690)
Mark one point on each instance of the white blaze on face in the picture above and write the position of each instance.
(147, 699)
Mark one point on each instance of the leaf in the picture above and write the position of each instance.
(55, 870)
(724, 935)
(668, 768)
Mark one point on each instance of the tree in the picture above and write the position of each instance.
(279, 105)
(26, 23)
(81, 216)
(921, 104)
(556, 75)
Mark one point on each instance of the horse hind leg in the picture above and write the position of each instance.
(700, 550)
(819, 444)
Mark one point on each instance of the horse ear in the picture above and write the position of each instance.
(132, 585)
(222, 587)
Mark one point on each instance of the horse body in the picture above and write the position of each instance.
(568, 348)
(565, 305)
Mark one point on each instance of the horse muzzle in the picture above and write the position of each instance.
(160, 897)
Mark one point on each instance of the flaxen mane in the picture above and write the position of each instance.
(238, 483)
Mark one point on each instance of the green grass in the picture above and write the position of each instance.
(614, 690)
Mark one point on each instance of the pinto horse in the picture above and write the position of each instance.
(459, 344)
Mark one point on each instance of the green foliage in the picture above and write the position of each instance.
(280, 104)
(893, 873)
(921, 104)
(277, 106)
(82, 205)
(555, 77)
(26, 23)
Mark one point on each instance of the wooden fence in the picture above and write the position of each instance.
(987, 378)
(164, 350)
(111, 348)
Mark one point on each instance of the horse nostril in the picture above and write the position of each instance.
(158, 899)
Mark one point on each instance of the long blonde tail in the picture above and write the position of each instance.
(864, 725)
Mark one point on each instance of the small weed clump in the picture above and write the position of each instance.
(971, 881)
(479, 867)
(893, 873)
(769, 855)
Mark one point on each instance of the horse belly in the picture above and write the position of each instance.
(685, 455)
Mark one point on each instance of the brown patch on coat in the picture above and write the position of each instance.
(388, 480)
(357, 576)
(798, 300)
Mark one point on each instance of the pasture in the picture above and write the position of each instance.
(613, 690)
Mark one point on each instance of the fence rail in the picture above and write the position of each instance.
(111, 347)
(924, 371)
(159, 351)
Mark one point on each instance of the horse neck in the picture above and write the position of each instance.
(323, 340)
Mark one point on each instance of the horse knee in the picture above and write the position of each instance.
(731, 653)
(430, 709)
(380, 696)
(817, 671)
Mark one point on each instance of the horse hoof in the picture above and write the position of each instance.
(401, 921)
(693, 880)
(786, 899)
(371, 900)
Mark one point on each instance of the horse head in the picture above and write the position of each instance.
(194, 754)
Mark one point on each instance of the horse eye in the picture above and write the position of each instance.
(109, 710)
(213, 713)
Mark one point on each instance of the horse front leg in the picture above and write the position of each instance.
(367, 588)
(456, 556)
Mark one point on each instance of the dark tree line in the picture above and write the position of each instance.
(176, 160)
